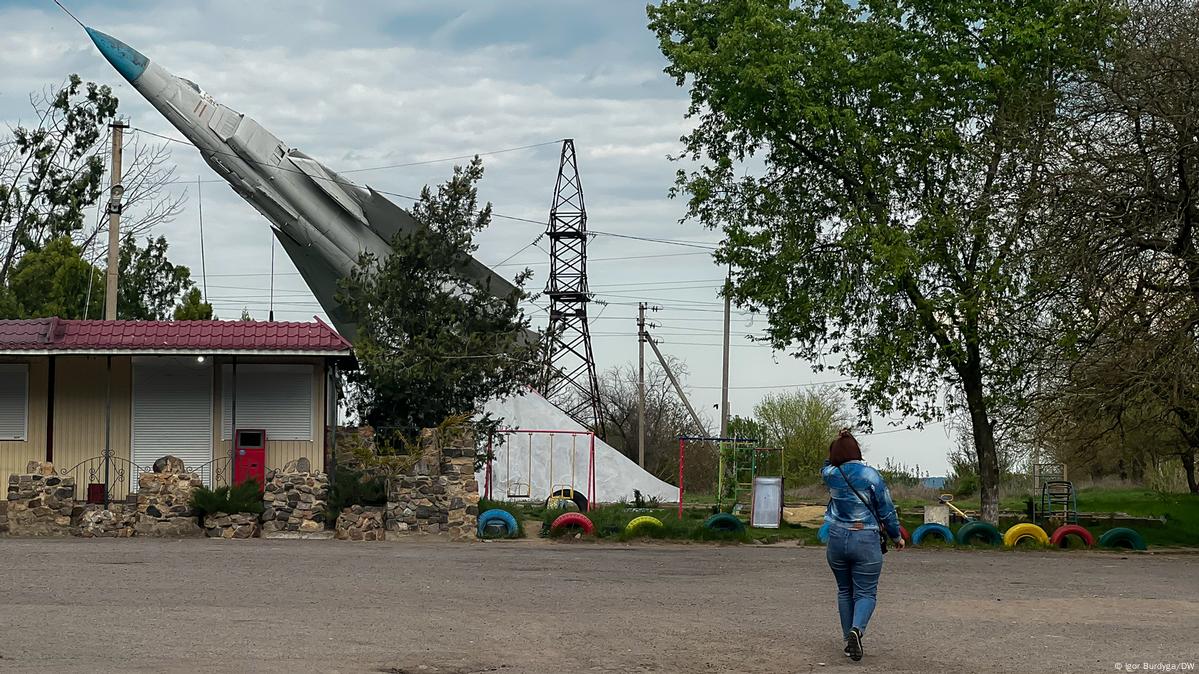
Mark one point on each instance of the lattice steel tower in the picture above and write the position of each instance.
(569, 376)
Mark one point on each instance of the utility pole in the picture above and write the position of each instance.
(678, 388)
(641, 384)
(724, 381)
(116, 192)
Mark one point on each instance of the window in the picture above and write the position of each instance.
(274, 398)
(14, 401)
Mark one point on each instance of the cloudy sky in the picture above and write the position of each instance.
(384, 82)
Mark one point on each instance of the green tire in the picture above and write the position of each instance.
(724, 522)
(1122, 537)
(979, 532)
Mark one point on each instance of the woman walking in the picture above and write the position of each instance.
(859, 512)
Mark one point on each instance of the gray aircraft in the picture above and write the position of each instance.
(322, 220)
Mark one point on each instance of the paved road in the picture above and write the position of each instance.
(326, 606)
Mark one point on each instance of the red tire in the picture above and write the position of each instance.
(1061, 533)
(573, 520)
(903, 533)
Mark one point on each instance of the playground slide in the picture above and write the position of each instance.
(522, 464)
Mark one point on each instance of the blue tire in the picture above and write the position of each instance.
(497, 515)
(935, 530)
(822, 534)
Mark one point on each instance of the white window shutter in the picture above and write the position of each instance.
(14, 401)
(274, 398)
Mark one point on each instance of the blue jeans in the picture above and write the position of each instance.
(857, 562)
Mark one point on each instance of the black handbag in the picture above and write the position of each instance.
(882, 535)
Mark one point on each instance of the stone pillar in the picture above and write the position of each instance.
(164, 501)
(445, 502)
(40, 502)
(294, 500)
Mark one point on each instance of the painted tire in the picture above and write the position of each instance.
(579, 499)
(497, 515)
(903, 533)
(724, 522)
(644, 525)
(573, 520)
(1122, 537)
(1064, 532)
(935, 530)
(1019, 532)
(974, 532)
(822, 533)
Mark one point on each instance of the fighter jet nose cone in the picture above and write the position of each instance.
(127, 60)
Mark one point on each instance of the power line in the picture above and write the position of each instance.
(676, 242)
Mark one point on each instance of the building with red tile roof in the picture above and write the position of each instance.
(125, 393)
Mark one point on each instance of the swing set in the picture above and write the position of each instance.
(516, 489)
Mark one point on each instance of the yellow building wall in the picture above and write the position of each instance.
(278, 452)
(80, 392)
(14, 454)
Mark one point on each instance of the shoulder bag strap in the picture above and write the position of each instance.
(864, 501)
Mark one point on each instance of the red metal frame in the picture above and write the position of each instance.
(682, 447)
(487, 488)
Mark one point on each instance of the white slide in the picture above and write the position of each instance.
(522, 467)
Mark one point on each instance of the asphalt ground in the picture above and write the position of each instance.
(77, 605)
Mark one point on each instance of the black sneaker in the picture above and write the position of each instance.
(846, 651)
(853, 645)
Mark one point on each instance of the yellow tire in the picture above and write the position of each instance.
(1019, 532)
(644, 525)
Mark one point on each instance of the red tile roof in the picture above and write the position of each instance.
(53, 334)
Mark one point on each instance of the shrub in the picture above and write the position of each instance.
(353, 487)
(240, 498)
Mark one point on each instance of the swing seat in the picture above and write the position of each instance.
(519, 489)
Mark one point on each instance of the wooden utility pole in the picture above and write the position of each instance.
(116, 192)
(641, 384)
(724, 380)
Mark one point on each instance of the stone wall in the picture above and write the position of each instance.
(361, 523)
(294, 499)
(443, 503)
(237, 525)
(3, 517)
(40, 502)
(164, 501)
(116, 522)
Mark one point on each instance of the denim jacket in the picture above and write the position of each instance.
(845, 508)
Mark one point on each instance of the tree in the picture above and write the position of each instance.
(431, 344)
(52, 174)
(802, 424)
(904, 148)
(1124, 223)
(54, 281)
(193, 307)
(148, 283)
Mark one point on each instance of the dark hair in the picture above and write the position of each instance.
(844, 448)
